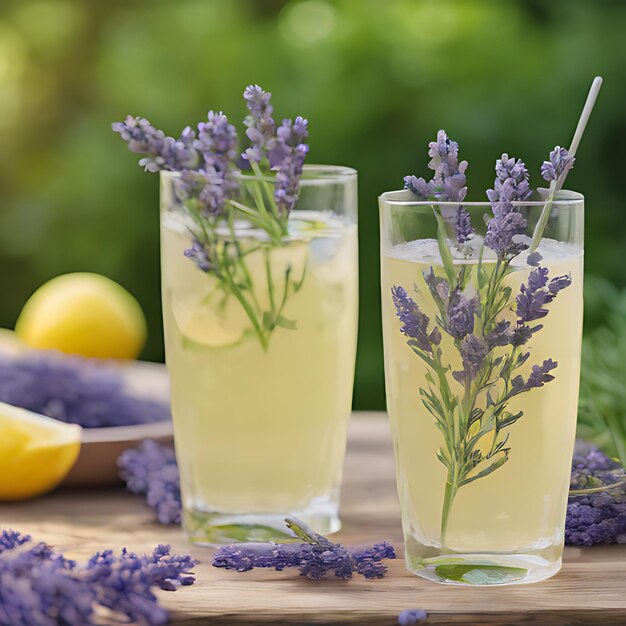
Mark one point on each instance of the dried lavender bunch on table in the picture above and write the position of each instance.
(314, 557)
(213, 190)
(74, 390)
(40, 586)
(596, 512)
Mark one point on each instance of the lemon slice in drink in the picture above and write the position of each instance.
(36, 452)
(200, 323)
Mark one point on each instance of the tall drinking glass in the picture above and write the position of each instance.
(482, 360)
(261, 362)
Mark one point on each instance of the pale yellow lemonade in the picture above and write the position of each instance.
(524, 499)
(263, 431)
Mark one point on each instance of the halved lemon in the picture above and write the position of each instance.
(36, 452)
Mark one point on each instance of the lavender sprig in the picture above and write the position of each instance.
(471, 403)
(151, 469)
(162, 152)
(40, 586)
(315, 557)
(505, 229)
(208, 186)
(260, 124)
(448, 184)
(414, 322)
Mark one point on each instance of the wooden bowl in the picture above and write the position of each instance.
(100, 448)
(96, 465)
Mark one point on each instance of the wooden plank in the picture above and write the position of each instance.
(591, 588)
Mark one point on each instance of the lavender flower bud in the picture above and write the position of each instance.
(448, 183)
(419, 186)
(162, 153)
(506, 226)
(537, 293)
(152, 469)
(473, 353)
(559, 164)
(217, 141)
(414, 322)
(260, 124)
(460, 314)
(500, 335)
(540, 374)
(287, 158)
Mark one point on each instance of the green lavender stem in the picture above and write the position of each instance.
(448, 498)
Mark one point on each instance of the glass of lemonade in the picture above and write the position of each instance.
(483, 455)
(261, 386)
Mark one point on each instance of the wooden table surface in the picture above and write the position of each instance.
(590, 589)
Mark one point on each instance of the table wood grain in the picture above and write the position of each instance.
(590, 589)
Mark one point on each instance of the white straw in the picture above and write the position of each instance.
(557, 184)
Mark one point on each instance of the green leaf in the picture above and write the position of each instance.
(480, 574)
(268, 320)
(283, 322)
(488, 470)
(444, 251)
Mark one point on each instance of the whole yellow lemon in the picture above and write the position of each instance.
(85, 314)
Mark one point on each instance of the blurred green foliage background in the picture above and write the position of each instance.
(375, 78)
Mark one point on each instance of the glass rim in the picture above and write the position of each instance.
(312, 174)
(564, 197)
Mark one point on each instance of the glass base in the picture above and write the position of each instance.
(483, 569)
(219, 528)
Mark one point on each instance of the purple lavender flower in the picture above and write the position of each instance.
(473, 353)
(540, 374)
(162, 152)
(460, 314)
(559, 164)
(260, 124)
(314, 558)
(505, 229)
(124, 584)
(449, 178)
(511, 183)
(461, 221)
(537, 293)
(439, 287)
(414, 322)
(42, 587)
(152, 469)
(10, 539)
(534, 258)
(74, 390)
(208, 189)
(532, 300)
(199, 254)
(448, 184)
(500, 335)
(419, 186)
(287, 159)
(217, 141)
(412, 616)
(596, 517)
